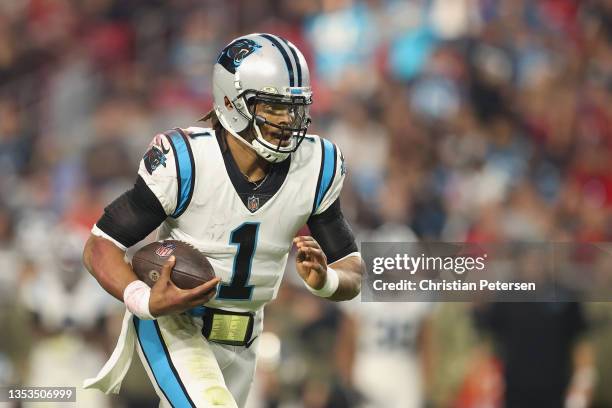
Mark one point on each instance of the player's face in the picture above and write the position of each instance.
(279, 114)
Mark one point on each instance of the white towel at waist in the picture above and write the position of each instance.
(111, 375)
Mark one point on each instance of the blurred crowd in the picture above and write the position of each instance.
(460, 120)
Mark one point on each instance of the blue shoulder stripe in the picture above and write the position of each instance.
(158, 358)
(185, 170)
(327, 171)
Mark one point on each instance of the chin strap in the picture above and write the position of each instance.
(262, 150)
(256, 144)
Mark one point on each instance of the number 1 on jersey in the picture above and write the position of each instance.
(245, 237)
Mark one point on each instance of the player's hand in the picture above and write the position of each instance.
(311, 262)
(167, 298)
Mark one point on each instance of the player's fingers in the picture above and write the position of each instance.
(203, 289)
(206, 291)
(299, 241)
(308, 244)
(303, 238)
(301, 269)
(314, 254)
(301, 255)
(166, 269)
(313, 266)
(313, 251)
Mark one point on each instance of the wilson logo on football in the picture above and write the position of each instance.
(165, 249)
(154, 276)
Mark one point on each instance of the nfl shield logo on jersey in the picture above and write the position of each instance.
(253, 203)
(165, 249)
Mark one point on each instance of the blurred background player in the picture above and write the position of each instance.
(68, 314)
(551, 334)
(381, 336)
(388, 336)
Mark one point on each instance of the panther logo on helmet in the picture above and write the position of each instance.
(233, 55)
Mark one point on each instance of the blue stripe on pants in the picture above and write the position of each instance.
(159, 361)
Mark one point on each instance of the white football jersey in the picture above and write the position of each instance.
(246, 243)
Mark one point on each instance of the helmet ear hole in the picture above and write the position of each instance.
(228, 104)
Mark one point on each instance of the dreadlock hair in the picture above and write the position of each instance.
(214, 120)
(217, 127)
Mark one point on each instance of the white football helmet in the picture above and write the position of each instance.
(263, 68)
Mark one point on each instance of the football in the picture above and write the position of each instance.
(191, 268)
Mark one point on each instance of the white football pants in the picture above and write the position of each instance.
(188, 371)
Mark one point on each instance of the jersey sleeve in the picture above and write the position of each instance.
(131, 217)
(333, 233)
(331, 177)
(167, 168)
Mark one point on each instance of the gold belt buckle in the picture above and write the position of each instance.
(228, 328)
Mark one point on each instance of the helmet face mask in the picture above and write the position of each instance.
(285, 118)
(268, 93)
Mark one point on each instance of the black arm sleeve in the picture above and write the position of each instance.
(333, 233)
(132, 216)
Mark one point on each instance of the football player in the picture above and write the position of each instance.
(239, 192)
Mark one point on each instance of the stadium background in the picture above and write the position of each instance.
(461, 120)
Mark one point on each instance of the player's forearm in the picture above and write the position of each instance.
(350, 270)
(105, 261)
